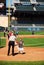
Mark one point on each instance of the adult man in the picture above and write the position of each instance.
(12, 39)
(9, 34)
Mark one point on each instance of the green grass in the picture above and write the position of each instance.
(33, 42)
(25, 33)
(2, 42)
(29, 42)
(39, 32)
(1, 34)
(21, 63)
(30, 32)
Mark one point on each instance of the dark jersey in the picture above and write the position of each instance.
(21, 44)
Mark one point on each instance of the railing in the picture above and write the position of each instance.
(39, 24)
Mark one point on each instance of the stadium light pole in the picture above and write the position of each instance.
(9, 14)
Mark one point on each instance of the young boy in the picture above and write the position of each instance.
(20, 45)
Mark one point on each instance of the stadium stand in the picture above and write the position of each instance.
(24, 8)
(2, 7)
(39, 24)
(40, 0)
(28, 12)
(25, 0)
(40, 8)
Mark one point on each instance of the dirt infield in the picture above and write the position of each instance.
(31, 53)
(31, 36)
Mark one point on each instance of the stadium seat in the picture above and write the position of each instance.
(24, 8)
(40, 0)
(40, 8)
(25, 0)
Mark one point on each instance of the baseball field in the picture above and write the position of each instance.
(33, 48)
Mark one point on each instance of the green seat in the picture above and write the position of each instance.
(40, 0)
(25, 0)
(40, 8)
(24, 8)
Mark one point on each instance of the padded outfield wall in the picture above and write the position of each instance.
(4, 21)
